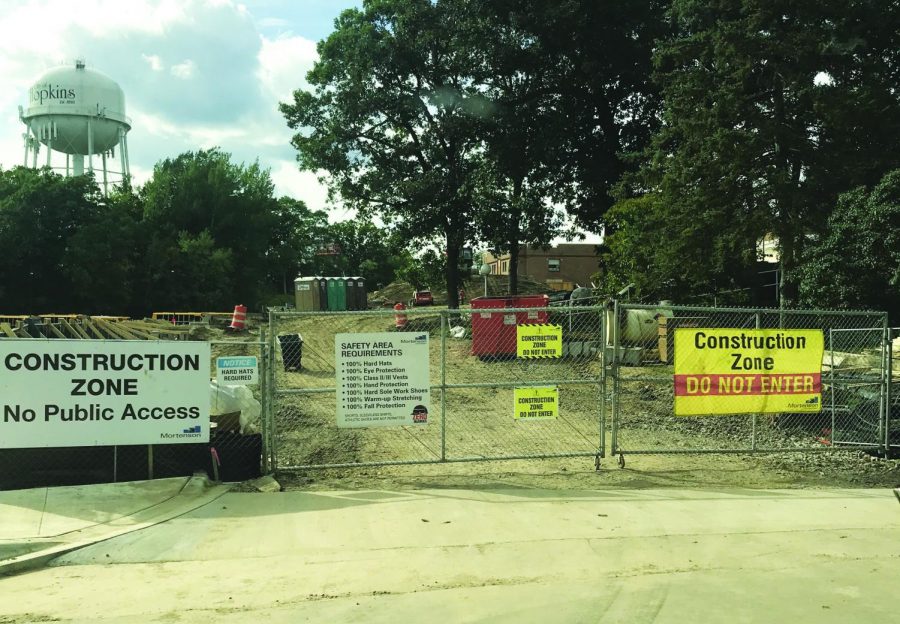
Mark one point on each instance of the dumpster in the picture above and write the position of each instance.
(291, 351)
(337, 294)
(306, 293)
(494, 329)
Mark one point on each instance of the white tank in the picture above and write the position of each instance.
(639, 327)
(77, 111)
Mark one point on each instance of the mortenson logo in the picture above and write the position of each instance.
(190, 432)
(49, 92)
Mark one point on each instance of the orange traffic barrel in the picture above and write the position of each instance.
(400, 318)
(239, 318)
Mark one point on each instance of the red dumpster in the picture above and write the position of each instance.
(494, 329)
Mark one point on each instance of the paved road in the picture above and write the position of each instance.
(521, 555)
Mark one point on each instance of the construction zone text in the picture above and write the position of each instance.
(728, 371)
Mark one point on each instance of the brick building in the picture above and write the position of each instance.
(562, 267)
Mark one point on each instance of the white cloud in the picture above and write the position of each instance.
(153, 61)
(184, 70)
(283, 64)
(273, 22)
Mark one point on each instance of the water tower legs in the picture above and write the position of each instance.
(90, 146)
(123, 154)
(105, 187)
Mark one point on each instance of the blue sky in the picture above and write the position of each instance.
(196, 73)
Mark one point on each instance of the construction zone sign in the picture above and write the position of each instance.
(538, 340)
(744, 371)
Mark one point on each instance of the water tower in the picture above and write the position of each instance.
(81, 113)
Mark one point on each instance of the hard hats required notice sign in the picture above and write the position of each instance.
(541, 403)
(747, 371)
(56, 393)
(538, 340)
(383, 379)
(237, 370)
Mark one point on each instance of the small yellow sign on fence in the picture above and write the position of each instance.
(536, 403)
(748, 371)
(538, 340)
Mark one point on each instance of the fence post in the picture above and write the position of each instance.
(614, 368)
(755, 416)
(444, 329)
(831, 380)
(264, 397)
(887, 354)
(273, 445)
(602, 384)
(890, 381)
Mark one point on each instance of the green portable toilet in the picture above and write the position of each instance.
(337, 294)
(323, 293)
(306, 293)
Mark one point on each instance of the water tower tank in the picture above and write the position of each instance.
(79, 112)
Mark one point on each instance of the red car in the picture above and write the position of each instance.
(422, 298)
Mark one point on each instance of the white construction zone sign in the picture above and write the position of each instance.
(58, 393)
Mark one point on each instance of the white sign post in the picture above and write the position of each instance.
(56, 393)
(382, 379)
(237, 370)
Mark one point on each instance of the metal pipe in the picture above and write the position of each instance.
(272, 391)
(444, 330)
(614, 368)
(419, 462)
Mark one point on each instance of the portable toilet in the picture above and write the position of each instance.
(323, 293)
(337, 294)
(306, 293)
(362, 300)
(352, 299)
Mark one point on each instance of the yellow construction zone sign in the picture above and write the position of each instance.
(536, 403)
(538, 341)
(747, 371)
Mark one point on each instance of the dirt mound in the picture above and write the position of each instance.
(497, 286)
(391, 294)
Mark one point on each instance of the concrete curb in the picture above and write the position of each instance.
(196, 492)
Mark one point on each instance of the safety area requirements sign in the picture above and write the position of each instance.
(58, 393)
(383, 379)
(540, 403)
(747, 371)
(538, 340)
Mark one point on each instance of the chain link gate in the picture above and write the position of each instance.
(481, 381)
(855, 389)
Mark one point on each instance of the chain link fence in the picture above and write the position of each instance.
(505, 382)
(854, 370)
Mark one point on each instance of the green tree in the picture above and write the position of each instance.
(40, 213)
(393, 117)
(856, 263)
(753, 139)
(102, 257)
(294, 241)
(366, 250)
(598, 103)
(201, 205)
